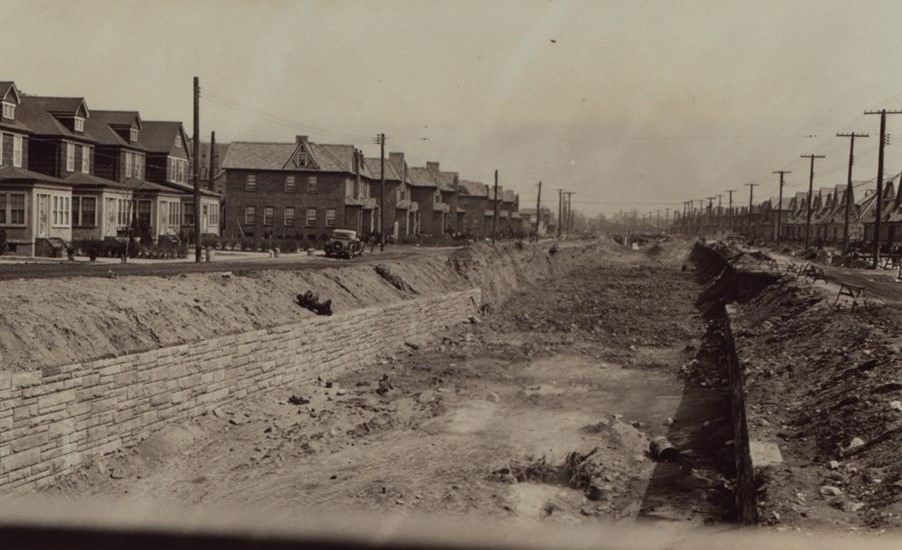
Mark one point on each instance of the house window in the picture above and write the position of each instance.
(70, 157)
(178, 142)
(84, 211)
(61, 210)
(139, 166)
(330, 217)
(213, 219)
(133, 135)
(250, 215)
(311, 184)
(311, 217)
(143, 214)
(188, 214)
(175, 214)
(79, 124)
(251, 183)
(16, 209)
(85, 159)
(128, 164)
(289, 184)
(268, 213)
(17, 151)
(9, 110)
(121, 212)
(3, 214)
(289, 216)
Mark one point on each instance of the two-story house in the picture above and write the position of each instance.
(509, 212)
(34, 206)
(425, 191)
(154, 210)
(447, 185)
(407, 210)
(299, 190)
(393, 191)
(168, 156)
(473, 202)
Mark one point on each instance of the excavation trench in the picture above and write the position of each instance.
(589, 362)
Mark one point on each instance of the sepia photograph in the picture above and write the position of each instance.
(471, 274)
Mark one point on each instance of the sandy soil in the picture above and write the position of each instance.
(586, 361)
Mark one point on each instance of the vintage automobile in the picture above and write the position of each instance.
(343, 244)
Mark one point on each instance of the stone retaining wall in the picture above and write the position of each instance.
(59, 417)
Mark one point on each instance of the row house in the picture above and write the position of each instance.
(73, 173)
(401, 217)
(447, 183)
(407, 210)
(169, 164)
(473, 201)
(300, 190)
(433, 213)
(868, 212)
(546, 221)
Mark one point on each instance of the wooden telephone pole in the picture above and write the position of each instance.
(730, 208)
(560, 210)
(538, 209)
(382, 192)
(495, 209)
(196, 174)
(879, 212)
(752, 187)
(845, 230)
(780, 203)
(810, 193)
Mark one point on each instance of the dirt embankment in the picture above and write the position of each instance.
(825, 384)
(60, 321)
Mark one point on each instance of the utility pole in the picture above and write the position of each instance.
(382, 192)
(780, 203)
(752, 187)
(730, 208)
(538, 209)
(560, 210)
(212, 157)
(810, 193)
(882, 113)
(196, 174)
(845, 231)
(495, 209)
(569, 210)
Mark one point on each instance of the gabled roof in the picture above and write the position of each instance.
(39, 120)
(88, 180)
(7, 90)
(473, 188)
(509, 196)
(447, 181)
(375, 167)
(62, 106)
(103, 134)
(158, 136)
(248, 155)
(421, 176)
(123, 119)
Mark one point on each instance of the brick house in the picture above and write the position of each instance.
(494, 201)
(509, 213)
(433, 213)
(473, 201)
(294, 190)
(447, 183)
(394, 190)
(407, 210)
(169, 164)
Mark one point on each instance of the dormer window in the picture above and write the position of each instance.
(9, 110)
(301, 159)
(133, 135)
(178, 142)
(79, 124)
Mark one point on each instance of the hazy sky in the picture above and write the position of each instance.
(629, 104)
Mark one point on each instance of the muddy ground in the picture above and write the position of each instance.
(581, 370)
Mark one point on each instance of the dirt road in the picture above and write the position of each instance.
(479, 421)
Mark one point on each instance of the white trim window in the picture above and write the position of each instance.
(268, 215)
(85, 159)
(18, 142)
(133, 135)
(250, 183)
(70, 157)
(129, 166)
(311, 217)
(79, 124)
(139, 166)
(289, 184)
(289, 216)
(213, 220)
(330, 217)
(9, 110)
(250, 216)
(311, 184)
(12, 209)
(122, 212)
(175, 214)
(84, 211)
(62, 209)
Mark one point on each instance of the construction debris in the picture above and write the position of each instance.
(311, 301)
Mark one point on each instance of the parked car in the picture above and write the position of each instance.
(343, 243)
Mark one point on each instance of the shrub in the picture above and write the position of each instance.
(209, 240)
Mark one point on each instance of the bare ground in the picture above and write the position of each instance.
(586, 361)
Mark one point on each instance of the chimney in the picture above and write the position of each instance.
(432, 166)
(300, 139)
